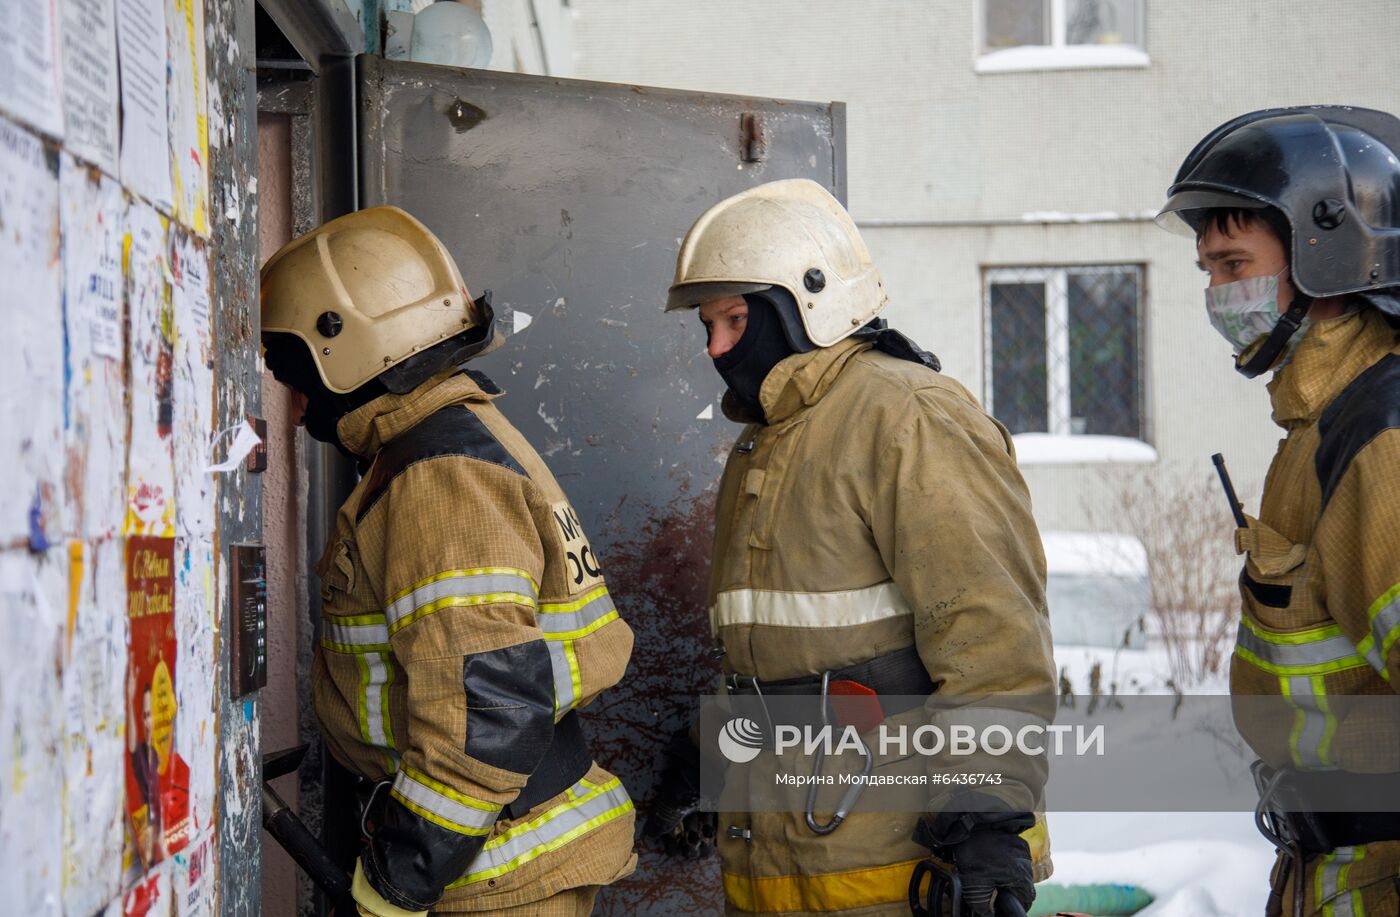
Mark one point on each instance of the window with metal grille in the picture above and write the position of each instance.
(1063, 349)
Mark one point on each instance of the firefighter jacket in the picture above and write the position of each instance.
(1321, 580)
(879, 509)
(464, 619)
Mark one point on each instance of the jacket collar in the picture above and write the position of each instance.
(367, 429)
(799, 381)
(1333, 353)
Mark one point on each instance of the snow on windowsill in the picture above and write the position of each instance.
(1055, 449)
(1072, 57)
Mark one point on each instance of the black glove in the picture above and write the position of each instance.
(991, 857)
(674, 818)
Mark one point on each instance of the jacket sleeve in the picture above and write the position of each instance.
(951, 517)
(462, 560)
(1357, 538)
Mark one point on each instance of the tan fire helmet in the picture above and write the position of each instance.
(791, 234)
(366, 292)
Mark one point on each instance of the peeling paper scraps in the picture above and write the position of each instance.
(245, 440)
(151, 468)
(93, 726)
(194, 385)
(94, 435)
(32, 371)
(33, 590)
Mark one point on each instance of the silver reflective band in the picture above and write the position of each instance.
(467, 585)
(355, 635)
(590, 806)
(1329, 881)
(376, 671)
(565, 667)
(1385, 631)
(461, 814)
(1314, 726)
(558, 620)
(808, 609)
(1327, 652)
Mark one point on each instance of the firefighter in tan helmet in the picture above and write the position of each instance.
(464, 618)
(871, 527)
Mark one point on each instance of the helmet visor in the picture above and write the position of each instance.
(1181, 214)
(690, 295)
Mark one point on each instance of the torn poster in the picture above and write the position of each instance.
(95, 414)
(90, 82)
(145, 157)
(94, 727)
(194, 879)
(194, 385)
(33, 589)
(151, 897)
(157, 778)
(196, 728)
(31, 357)
(189, 113)
(150, 487)
(29, 63)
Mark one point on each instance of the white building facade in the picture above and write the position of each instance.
(1006, 158)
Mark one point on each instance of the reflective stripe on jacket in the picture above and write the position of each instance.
(463, 615)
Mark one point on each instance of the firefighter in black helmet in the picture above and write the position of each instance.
(1296, 217)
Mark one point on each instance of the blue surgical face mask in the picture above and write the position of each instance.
(1245, 311)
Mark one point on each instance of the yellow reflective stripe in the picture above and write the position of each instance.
(1383, 620)
(562, 668)
(366, 633)
(462, 601)
(460, 588)
(1309, 742)
(443, 806)
(832, 891)
(569, 621)
(474, 571)
(1331, 881)
(1316, 651)
(1292, 638)
(568, 821)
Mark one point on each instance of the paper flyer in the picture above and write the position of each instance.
(29, 57)
(151, 473)
(94, 435)
(157, 778)
(193, 385)
(33, 590)
(31, 357)
(145, 156)
(189, 113)
(94, 726)
(90, 91)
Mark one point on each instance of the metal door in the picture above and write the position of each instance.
(568, 199)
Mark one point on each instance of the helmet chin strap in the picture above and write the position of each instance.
(1273, 345)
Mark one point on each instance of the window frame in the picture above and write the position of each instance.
(1059, 54)
(1059, 414)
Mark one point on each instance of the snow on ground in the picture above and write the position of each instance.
(1057, 449)
(1194, 864)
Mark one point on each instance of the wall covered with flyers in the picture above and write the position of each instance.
(125, 252)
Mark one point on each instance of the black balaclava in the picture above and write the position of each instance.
(289, 360)
(763, 344)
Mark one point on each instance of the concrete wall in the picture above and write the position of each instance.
(952, 170)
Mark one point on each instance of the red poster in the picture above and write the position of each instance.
(157, 780)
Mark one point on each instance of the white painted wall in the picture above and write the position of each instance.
(931, 142)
